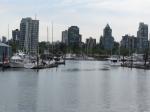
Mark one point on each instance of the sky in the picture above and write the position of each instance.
(91, 16)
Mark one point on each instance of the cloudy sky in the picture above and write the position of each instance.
(90, 15)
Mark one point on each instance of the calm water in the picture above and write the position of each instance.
(75, 87)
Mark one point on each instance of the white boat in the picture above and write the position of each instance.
(16, 62)
(69, 57)
(114, 61)
(30, 65)
(59, 61)
(48, 62)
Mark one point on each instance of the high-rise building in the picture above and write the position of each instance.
(142, 37)
(65, 37)
(91, 43)
(74, 37)
(4, 39)
(107, 40)
(29, 35)
(129, 42)
(16, 35)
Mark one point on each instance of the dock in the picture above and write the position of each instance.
(137, 66)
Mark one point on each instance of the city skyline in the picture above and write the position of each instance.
(123, 16)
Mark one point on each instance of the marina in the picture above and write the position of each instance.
(74, 56)
(21, 60)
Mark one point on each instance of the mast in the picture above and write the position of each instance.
(47, 34)
(119, 50)
(8, 43)
(52, 39)
(48, 39)
(8, 34)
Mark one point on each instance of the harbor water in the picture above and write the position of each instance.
(78, 86)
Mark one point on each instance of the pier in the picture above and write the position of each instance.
(138, 66)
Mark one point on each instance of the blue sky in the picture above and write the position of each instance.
(90, 15)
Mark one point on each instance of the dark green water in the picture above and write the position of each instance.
(76, 87)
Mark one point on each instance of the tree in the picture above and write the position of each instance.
(115, 49)
(124, 51)
(42, 47)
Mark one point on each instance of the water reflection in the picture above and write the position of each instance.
(142, 93)
(77, 70)
(27, 92)
(77, 87)
(105, 92)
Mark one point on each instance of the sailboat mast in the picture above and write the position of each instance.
(52, 39)
(8, 34)
(8, 43)
(47, 34)
(48, 39)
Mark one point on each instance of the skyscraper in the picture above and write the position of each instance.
(90, 42)
(107, 40)
(4, 39)
(74, 37)
(129, 42)
(29, 35)
(142, 37)
(65, 37)
(16, 35)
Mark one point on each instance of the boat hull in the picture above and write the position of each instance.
(29, 66)
(16, 65)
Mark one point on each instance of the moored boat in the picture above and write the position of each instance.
(16, 62)
(114, 61)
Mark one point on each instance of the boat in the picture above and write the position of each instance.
(49, 64)
(69, 57)
(16, 62)
(33, 66)
(59, 60)
(114, 61)
(30, 65)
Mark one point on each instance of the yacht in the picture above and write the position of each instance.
(114, 61)
(16, 62)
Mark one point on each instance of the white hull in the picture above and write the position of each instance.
(115, 64)
(29, 65)
(16, 65)
(60, 62)
(113, 61)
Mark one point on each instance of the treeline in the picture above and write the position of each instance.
(82, 49)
